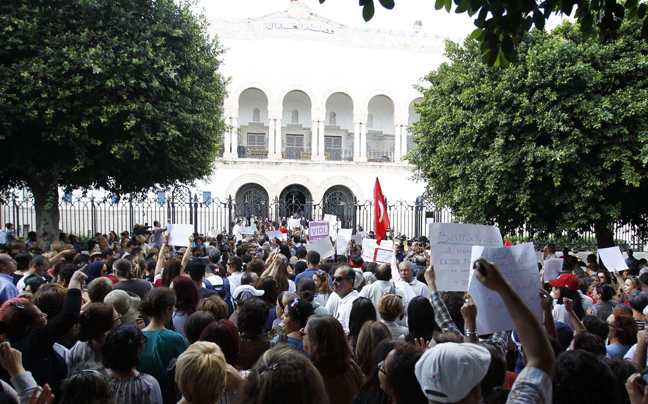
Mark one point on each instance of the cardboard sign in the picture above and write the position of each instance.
(179, 234)
(450, 251)
(248, 230)
(324, 247)
(340, 245)
(383, 256)
(292, 223)
(276, 233)
(369, 248)
(612, 258)
(358, 238)
(318, 231)
(346, 233)
(552, 268)
(518, 265)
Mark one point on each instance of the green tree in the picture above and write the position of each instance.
(124, 96)
(557, 142)
(500, 24)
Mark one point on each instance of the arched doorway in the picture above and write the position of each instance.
(252, 200)
(295, 199)
(338, 201)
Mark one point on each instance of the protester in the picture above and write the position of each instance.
(94, 323)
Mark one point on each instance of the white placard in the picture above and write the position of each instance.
(179, 234)
(358, 238)
(383, 256)
(346, 233)
(330, 218)
(276, 233)
(248, 230)
(612, 258)
(323, 246)
(318, 231)
(450, 250)
(369, 248)
(341, 245)
(518, 265)
(292, 223)
(552, 268)
(213, 233)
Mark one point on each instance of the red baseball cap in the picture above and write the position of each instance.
(567, 280)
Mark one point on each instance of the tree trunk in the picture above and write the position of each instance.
(47, 212)
(604, 235)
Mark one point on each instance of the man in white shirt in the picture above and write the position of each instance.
(340, 303)
(407, 275)
(237, 230)
(381, 287)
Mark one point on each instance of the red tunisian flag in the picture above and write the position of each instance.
(380, 213)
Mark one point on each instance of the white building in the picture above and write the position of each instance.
(318, 110)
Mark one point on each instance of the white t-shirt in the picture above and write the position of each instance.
(237, 232)
(341, 308)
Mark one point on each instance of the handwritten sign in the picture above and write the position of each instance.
(248, 230)
(552, 268)
(276, 233)
(324, 247)
(318, 231)
(340, 245)
(383, 256)
(518, 265)
(450, 250)
(179, 234)
(612, 258)
(369, 248)
(292, 223)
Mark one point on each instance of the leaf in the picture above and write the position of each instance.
(438, 4)
(476, 33)
(619, 11)
(641, 12)
(448, 5)
(368, 11)
(644, 29)
(630, 4)
(507, 44)
(388, 4)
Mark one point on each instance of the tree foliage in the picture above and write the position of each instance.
(500, 24)
(120, 95)
(557, 142)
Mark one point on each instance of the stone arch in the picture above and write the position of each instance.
(252, 200)
(342, 90)
(338, 201)
(234, 186)
(281, 95)
(384, 92)
(347, 182)
(252, 100)
(296, 179)
(233, 98)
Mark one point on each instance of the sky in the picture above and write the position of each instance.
(348, 12)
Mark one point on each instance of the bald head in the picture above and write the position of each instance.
(383, 272)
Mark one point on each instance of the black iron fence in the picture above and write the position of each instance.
(88, 215)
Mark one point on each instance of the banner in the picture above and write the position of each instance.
(450, 250)
(318, 231)
(369, 248)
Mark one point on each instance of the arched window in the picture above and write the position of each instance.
(295, 116)
(332, 118)
(252, 199)
(256, 115)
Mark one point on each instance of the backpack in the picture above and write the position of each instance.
(224, 293)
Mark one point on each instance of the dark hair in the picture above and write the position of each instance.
(420, 320)
(573, 375)
(87, 383)
(370, 389)
(99, 288)
(383, 272)
(495, 377)
(23, 259)
(306, 288)
(269, 286)
(215, 305)
(575, 297)
(330, 353)
(123, 268)
(257, 266)
(214, 256)
(622, 370)
(301, 251)
(172, 268)
(196, 323)
(596, 326)
(285, 250)
(236, 262)
(606, 274)
(33, 281)
(606, 291)
(300, 310)
(589, 342)
(401, 379)
(638, 300)
(313, 257)
(253, 316)
(300, 266)
(157, 301)
(362, 310)
(95, 321)
(196, 269)
(224, 333)
(247, 278)
(50, 298)
(187, 296)
(120, 351)
(584, 284)
(371, 334)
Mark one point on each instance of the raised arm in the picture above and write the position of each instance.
(55, 259)
(441, 313)
(187, 254)
(469, 313)
(536, 345)
(549, 325)
(160, 261)
(569, 306)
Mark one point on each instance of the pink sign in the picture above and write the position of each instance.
(317, 231)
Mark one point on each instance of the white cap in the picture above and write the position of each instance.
(245, 292)
(449, 371)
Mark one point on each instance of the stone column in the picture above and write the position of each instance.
(227, 147)
(271, 139)
(278, 138)
(234, 135)
(321, 148)
(314, 139)
(363, 142)
(356, 141)
(397, 143)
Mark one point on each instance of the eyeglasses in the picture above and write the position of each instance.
(303, 332)
(340, 279)
(610, 324)
(381, 368)
(119, 316)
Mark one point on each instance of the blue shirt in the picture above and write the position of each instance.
(308, 273)
(7, 288)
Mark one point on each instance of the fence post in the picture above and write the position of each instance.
(16, 219)
(229, 209)
(93, 215)
(355, 215)
(130, 211)
(195, 215)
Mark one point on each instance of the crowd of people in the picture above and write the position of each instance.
(242, 318)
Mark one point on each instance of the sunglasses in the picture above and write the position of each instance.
(340, 279)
